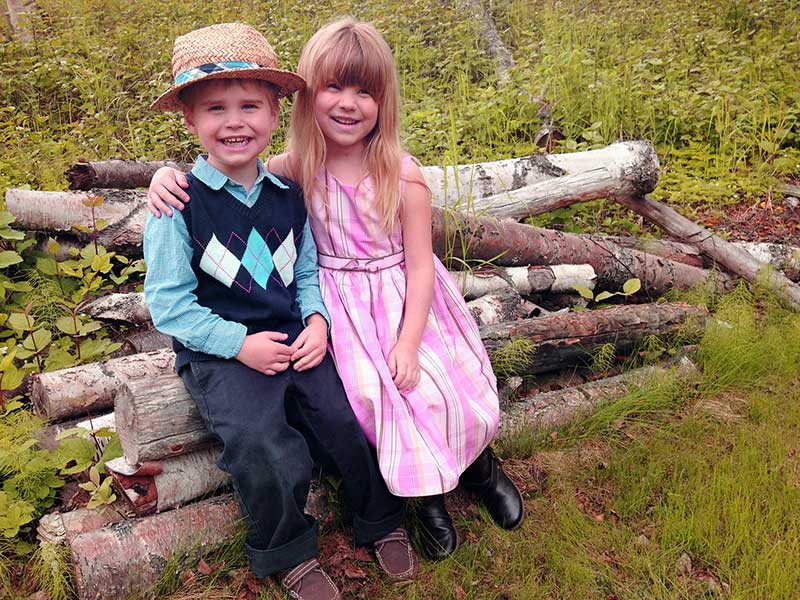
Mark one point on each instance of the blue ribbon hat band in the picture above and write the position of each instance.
(203, 70)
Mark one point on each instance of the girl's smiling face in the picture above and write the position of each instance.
(346, 114)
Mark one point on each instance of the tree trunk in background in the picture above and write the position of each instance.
(503, 61)
(734, 259)
(86, 389)
(20, 12)
(123, 174)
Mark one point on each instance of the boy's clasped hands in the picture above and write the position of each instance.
(267, 353)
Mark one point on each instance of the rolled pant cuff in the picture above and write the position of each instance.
(274, 560)
(365, 532)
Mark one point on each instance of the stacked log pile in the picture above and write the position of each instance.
(168, 466)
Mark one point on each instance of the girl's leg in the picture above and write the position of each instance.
(485, 478)
(438, 538)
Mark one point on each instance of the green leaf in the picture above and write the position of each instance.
(604, 296)
(67, 325)
(8, 258)
(21, 322)
(584, 291)
(102, 263)
(632, 286)
(38, 340)
(112, 450)
(47, 265)
(6, 218)
(11, 234)
(87, 328)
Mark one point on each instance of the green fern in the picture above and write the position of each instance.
(512, 358)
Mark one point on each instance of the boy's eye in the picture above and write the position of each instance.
(215, 108)
(250, 106)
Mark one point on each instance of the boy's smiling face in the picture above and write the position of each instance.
(234, 120)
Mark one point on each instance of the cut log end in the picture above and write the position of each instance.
(81, 176)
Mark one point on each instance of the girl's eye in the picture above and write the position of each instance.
(332, 85)
(364, 93)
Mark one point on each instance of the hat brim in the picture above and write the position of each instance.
(286, 83)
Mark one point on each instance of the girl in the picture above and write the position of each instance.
(408, 351)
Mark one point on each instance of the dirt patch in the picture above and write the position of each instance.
(765, 221)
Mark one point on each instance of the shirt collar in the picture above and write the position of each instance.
(216, 179)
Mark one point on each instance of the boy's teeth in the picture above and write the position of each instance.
(241, 140)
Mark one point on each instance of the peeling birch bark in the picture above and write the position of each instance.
(505, 305)
(129, 307)
(526, 280)
(158, 486)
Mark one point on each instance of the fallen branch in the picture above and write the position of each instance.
(503, 61)
(512, 244)
(734, 259)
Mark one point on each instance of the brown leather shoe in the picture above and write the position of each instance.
(308, 581)
(396, 556)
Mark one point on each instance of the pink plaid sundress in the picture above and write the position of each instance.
(427, 436)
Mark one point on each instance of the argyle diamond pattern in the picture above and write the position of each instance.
(218, 262)
(257, 259)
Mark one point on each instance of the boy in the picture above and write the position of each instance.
(234, 280)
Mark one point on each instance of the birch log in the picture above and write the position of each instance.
(122, 214)
(91, 388)
(729, 256)
(783, 257)
(129, 308)
(124, 560)
(156, 418)
(526, 280)
(158, 486)
(505, 305)
(124, 174)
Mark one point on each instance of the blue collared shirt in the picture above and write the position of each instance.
(170, 281)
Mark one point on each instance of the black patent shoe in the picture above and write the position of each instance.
(485, 478)
(438, 535)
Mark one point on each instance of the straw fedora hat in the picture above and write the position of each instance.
(224, 51)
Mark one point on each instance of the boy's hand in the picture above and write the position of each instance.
(166, 190)
(404, 366)
(265, 353)
(310, 346)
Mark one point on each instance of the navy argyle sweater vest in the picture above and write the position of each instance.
(244, 257)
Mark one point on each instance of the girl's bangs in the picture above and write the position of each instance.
(349, 63)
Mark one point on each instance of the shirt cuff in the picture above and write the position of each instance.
(228, 338)
(319, 308)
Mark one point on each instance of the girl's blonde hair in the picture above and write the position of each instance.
(349, 52)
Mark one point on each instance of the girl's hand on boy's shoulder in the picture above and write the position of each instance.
(166, 191)
(310, 346)
(403, 363)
